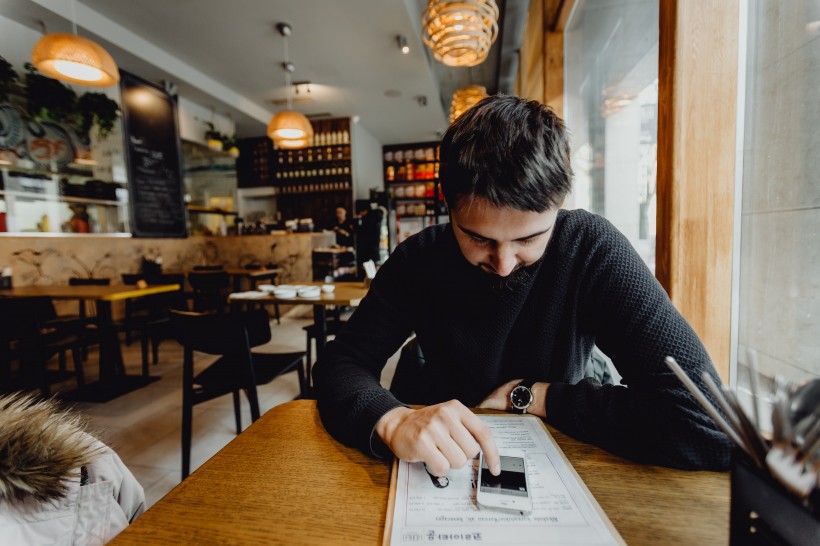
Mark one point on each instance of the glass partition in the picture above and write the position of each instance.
(778, 308)
(611, 110)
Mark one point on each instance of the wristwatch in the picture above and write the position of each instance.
(521, 396)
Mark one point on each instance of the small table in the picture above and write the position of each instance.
(254, 276)
(284, 480)
(345, 293)
(113, 381)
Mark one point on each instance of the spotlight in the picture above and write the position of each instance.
(402, 41)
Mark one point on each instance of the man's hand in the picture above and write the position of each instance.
(499, 399)
(443, 436)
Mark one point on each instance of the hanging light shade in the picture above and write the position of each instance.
(460, 33)
(465, 98)
(74, 59)
(289, 128)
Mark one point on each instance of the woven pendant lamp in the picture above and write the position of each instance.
(289, 128)
(74, 59)
(460, 33)
(465, 98)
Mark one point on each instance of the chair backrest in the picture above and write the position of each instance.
(171, 300)
(20, 318)
(221, 334)
(80, 281)
(210, 289)
(208, 268)
(88, 307)
(409, 382)
(20, 323)
(132, 278)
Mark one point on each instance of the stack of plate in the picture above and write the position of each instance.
(290, 291)
(311, 292)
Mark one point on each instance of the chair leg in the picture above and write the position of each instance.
(254, 402)
(144, 350)
(155, 340)
(276, 313)
(304, 388)
(187, 425)
(237, 412)
(61, 360)
(78, 366)
(309, 357)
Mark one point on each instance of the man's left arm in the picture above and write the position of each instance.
(650, 417)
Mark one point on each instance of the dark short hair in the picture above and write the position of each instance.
(510, 151)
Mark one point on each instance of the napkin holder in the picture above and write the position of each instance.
(5, 279)
(764, 513)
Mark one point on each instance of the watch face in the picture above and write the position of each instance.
(521, 397)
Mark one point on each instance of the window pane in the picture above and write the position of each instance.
(779, 303)
(611, 109)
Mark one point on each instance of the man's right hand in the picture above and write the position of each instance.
(443, 436)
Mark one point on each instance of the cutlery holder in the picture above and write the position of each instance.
(763, 512)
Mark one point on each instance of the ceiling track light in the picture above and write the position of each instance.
(403, 47)
(74, 59)
(460, 33)
(288, 128)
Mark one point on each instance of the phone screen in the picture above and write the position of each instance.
(512, 480)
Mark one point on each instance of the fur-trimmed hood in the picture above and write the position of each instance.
(41, 448)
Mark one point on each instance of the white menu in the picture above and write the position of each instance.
(563, 511)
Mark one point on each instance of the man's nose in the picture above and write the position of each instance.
(504, 261)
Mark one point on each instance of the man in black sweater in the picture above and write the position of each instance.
(506, 302)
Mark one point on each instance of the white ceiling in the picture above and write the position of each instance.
(227, 56)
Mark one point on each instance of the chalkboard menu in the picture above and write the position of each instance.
(153, 159)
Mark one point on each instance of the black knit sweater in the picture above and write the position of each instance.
(590, 287)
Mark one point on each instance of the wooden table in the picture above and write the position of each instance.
(254, 276)
(345, 293)
(286, 481)
(113, 381)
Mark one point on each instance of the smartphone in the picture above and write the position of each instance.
(509, 491)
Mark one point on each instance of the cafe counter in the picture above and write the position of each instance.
(53, 259)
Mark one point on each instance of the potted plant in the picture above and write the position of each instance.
(48, 99)
(213, 137)
(229, 145)
(97, 109)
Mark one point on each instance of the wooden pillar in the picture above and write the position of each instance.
(697, 92)
(531, 65)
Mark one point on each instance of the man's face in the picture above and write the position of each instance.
(341, 214)
(500, 240)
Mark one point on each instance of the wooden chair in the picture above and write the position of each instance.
(150, 315)
(30, 334)
(87, 310)
(210, 290)
(230, 336)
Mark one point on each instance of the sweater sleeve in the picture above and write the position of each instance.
(347, 375)
(650, 417)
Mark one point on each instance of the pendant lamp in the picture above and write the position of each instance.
(288, 128)
(465, 98)
(74, 59)
(460, 33)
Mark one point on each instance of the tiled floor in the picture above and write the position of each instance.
(144, 426)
